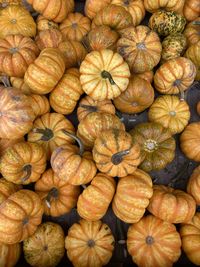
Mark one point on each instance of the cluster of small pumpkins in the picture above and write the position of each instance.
(60, 62)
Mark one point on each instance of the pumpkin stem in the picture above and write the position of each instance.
(117, 158)
(196, 22)
(149, 240)
(47, 133)
(53, 193)
(5, 80)
(28, 169)
(78, 140)
(106, 75)
(91, 243)
(89, 108)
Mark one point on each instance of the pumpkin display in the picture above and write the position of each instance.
(192, 31)
(92, 7)
(75, 26)
(140, 47)
(138, 96)
(73, 164)
(100, 122)
(193, 53)
(48, 38)
(16, 20)
(198, 108)
(115, 154)
(87, 105)
(132, 196)
(9, 254)
(45, 72)
(193, 185)
(48, 131)
(6, 143)
(39, 104)
(156, 143)
(46, 246)
(153, 6)
(16, 54)
(154, 243)
(89, 244)
(175, 76)
(20, 84)
(104, 74)
(45, 24)
(23, 163)
(171, 112)
(190, 141)
(147, 75)
(20, 215)
(7, 189)
(95, 199)
(191, 9)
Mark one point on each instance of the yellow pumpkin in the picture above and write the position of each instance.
(193, 53)
(191, 32)
(9, 254)
(191, 9)
(193, 186)
(20, 84)
(6, 143)
(40, 104)
(6, 189)
(45, 24)
(168, 5)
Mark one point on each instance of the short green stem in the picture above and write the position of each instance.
(78, 140)
(106, 75)
(117, 158)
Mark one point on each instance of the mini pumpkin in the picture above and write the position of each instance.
(153, 6)
(9, 254)
(154, 243)
(192, 31)
(92, 7)
(191, 9)
(5, 3)
(147, 75)
(45, 24)
(20, 84)
(48, 38)
(89, 244)
(193, 186)
(156, 143)
(6, 143)
(39, 104)
(6, 189)
(193, 53)
(132, 196)
(46, 246)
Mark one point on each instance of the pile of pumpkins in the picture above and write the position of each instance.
(54, 62)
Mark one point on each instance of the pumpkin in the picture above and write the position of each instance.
(132, 196)
(20, 84)
(198, 108)
(153, 6)
(73, 51)
(138, 96)
(58, 197)
(9, 254)
(55, 10)
(100, 122)
(5, 143)
(193, 53)
(40, 104)
(87, 105)
(190, 141)
(140, 47)
(175, 76)
(65, 95)
(48, 38)
(75, 26)
(20, 215)
(167, 22)
(147, 75)
(193, 186)
(94, 201)
(154, 243)
(171, 112)
(47, 131)
(104, 74)
(16, 54)
(7, 189)
(45, 24)
(73, 164)
(156, 143)
(16, 113)
(45, 72)
(73, 71)
(192, 31)
(23, 163)
(191, 9)
(5, 3)
(134, 7)
(89, 244)
(190, 237)
(16, 20)
(46, 246)
(92, 7)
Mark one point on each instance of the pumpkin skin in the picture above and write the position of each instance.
(30, 159)
(156, 143)
(20, 215)
(48, 38)
(148, 75)
(190, 141)
(132, 196)
(43, 75)
(140, 47)
(153, 6)
(154, 243)
(171, 112)
(192, 32)
(89, 244)
(87, 105)
(174, 76)
(138, 96)
(58, 197)
(46, 246)
(9, 254)
(45, 24)
(198, 108)
(7, 189)
(39, 104)
(6, 143)
(20, 84)
(191, 9)
(16, 20)
(95, 199)
(16, 54)
(193, 186)
(193, 53)
(47, 132)
(104, 74)
(5, 3)
(73, 71)
(92, 7)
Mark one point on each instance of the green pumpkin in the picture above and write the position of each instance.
(167, 22)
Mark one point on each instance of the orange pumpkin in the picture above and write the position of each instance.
(6, 143)
(167, 5)
(132, 196)
(193, 53)
(48, 38)
(147, 75)
(20, 84)
(5, 3)
(7, 189)
(92, 7)
(193, 186)
(45, 24)
(9, 254)
(20, 215)
(73, 71)
(40, 104)
(192, 31)
(191, 9)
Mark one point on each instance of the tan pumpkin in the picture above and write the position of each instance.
(147, 75)
(6, 189)
(45, 24)
(40, 104)
(193, 185)
(20, 84)
(168, 5)
(138, 96)
(48, 38)
(140, 47)
(46, 71)
(20, 215)
(190, 141)
(154, 243)
(175, 76)
(16, 54)
(46, 247)
(92, 7)
(6, 143)
(192, 31)
(95, 199)
(89, 244)
(132, 196)
(191, 9)
(104, 74)
(9, 254)
(193, 53)
(171, 112)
